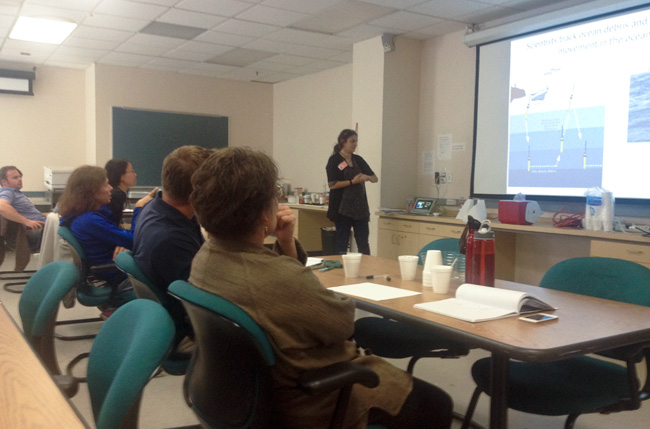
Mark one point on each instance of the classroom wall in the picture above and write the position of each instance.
(447, 107)
(248, 105)
(309, 112)
(46, 129)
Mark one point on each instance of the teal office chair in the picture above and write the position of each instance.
(177, 362)
(581, 384)
(391, 339)
(38, 308)
(229, 379)
(128, 349)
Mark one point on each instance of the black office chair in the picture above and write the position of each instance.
(176, 363)
(582, 384)
(232, 362)
(19, 276)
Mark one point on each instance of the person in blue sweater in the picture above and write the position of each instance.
(83, 208)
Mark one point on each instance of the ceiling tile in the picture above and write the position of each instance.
(335, 42)
(190, 19)
(448, 9)
(404, 21)
(34, 10)
(398, 4)
(171, 63)
(188, 56)
(101, 34)
(224, 38)
(87, 5)
(176, 31)
(160, 2)
(240, 57)
(270, 46)
(125, 59)
(291, 60)
(304, 6)
(80, 52)
(245, 28)
(134, 48)
(362, 32)
(221, 7)
(91, 43)
(68, 63)
(271, 16)
(313, 52)
(290, 35)
(211, 69)
(114, 22)
(268, 66)
(149, 39)
(278, 77)
(130, 9)
(343, 16)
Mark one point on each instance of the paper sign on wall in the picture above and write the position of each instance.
(428, 162)
(444, 146)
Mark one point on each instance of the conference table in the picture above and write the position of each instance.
(28, 395)
(585, 324)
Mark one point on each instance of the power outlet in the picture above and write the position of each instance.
(443, 178)
(448, 177)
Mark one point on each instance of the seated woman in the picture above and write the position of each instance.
(121, 176)
(83, 209)
(309, 327)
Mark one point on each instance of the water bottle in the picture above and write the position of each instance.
(467, 239)
(482, 256)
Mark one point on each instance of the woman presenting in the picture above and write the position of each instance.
(347, 174)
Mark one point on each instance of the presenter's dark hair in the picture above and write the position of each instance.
(178, 168)
(4, 170)
(79, 194)
(115, 168)
(343, 137)
(232, 189)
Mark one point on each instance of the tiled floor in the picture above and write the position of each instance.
(163, 405)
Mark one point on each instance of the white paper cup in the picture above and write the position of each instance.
(434, 257)
(351, 264)
(440, 278)
(426, 279)
(408, 265)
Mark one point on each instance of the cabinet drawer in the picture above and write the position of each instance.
(388, 224)
(452, 231)
(632, 252)
(406, 226)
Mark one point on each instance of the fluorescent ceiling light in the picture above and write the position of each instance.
(41, 30)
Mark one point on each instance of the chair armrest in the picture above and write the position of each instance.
(96, 269)
(336, 376)
(67, 383)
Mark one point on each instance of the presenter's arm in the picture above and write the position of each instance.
(8, 212)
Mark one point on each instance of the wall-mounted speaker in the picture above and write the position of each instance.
(17, 81)
(387, 41)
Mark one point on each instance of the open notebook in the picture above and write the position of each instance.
(475, 303)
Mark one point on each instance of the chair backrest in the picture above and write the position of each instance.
(39, 306)
(608, 278)
(443, 244)
(74, 247)
(143, 287)
(129, 347)
(23, 251)
(231, 362)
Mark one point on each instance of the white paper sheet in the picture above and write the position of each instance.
(313, 261)
(373, 291)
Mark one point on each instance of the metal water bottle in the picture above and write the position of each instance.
(482, 256)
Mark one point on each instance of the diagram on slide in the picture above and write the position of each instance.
(555, 139)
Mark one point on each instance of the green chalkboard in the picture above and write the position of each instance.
(145, 137)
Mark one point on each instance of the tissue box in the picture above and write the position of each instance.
(519, 212)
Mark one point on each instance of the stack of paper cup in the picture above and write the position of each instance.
(434, 257)
(426, 279)
(351, 264)
(607, 213)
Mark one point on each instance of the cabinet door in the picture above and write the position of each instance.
(408, 244)
(387, 243)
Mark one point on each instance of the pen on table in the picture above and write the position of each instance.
(373, 276)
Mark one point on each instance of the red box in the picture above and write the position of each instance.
(513, 212)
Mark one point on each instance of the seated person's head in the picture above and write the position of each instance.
(232, 190)
(87, 190)
(177, 171)
(11, 176)
(120, 173)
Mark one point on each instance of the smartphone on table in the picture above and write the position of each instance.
(538, 318)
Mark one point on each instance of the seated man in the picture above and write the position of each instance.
(168, 235)
(16, 207)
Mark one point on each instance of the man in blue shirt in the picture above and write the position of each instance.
(168, 235)
(16, 207)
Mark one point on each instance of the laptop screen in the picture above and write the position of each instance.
(423, 206)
